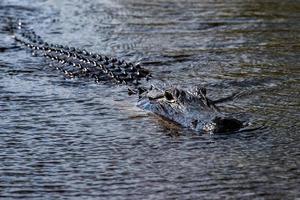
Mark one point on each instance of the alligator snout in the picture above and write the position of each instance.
(223, 125)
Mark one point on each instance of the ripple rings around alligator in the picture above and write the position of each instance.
(189, 108)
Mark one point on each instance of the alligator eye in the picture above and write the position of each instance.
(169, 96)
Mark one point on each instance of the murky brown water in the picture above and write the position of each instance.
(74, 139)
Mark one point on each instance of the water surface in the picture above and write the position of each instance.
(74, 139)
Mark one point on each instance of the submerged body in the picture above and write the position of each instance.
(191, 109)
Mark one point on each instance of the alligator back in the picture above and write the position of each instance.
(81, 63)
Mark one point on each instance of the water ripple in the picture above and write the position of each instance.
(74, 139)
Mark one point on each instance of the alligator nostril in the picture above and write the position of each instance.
(227, 124)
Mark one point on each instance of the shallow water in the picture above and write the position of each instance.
(72, 138)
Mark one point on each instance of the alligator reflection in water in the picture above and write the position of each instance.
(189, 108)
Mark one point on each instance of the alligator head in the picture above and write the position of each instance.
(191, 109)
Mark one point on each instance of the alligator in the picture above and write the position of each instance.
(189, 108)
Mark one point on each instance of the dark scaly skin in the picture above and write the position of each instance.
(191, 109)
(81, 63)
